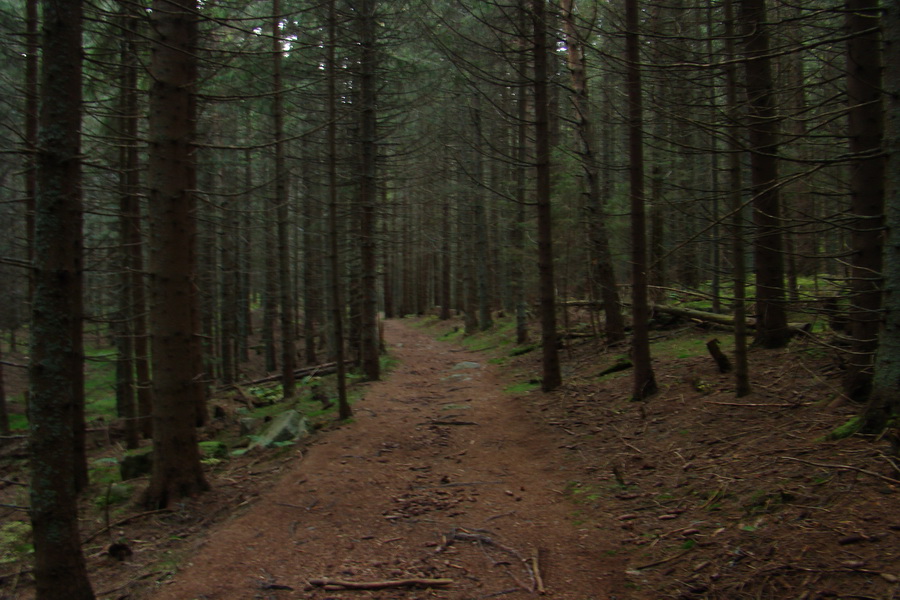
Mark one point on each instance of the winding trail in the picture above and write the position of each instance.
(440, 475)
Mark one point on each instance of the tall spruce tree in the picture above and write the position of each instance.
(57, 354)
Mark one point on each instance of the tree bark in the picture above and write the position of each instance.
(32, 62)
(735, 186)
(479, 223)
(866, 128)
(644, 379)
(517, 233)
(286, 297)
(763, 138)
(177, 471)
(552, 377)
(580, 98)
(245, 312)
(56, 386)
(134, 371)
(4, 413)
(884, 400)
(313, 276)
(368, 192)
(337, 301)
(446, 275)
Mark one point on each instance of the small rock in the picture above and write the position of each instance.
(249, 426)
(286, 427)
(466, 365)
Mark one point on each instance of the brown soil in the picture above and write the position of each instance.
(444, 475)
(433, 452)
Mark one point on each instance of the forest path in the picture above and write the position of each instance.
(436, 448)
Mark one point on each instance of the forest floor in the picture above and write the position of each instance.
(454, 471)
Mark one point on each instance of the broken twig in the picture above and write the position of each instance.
(337, 584)
(844, 467)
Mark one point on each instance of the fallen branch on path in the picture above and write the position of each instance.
(337, 584)
(530, 566)
(759, 404)
(656, 563)
(536, 567)
(460, 484)
(124, 520)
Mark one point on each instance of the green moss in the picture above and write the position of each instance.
(520, 350)
(583, 493)
(15, 541)
(213, 450)
(388, 363)
(116, 493)
(521, 388)
(427, 321)
(846, 430)
(18, 422)
(453, 334)
(104, 471)
(686, 347)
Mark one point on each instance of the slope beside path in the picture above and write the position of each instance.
(441, 475)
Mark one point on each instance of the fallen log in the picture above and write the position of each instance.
(596, 304)
(323, 369)
(719, 319)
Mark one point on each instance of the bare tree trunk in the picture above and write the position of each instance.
(735, 186)
(337, 301)
(313, 281)
(369, 338)
(468, 256)
(4, 413)
(479, 224)
(446, 277)
(644, 379)
(615, 324)
(56, 386)
(32, 61)
(657, 276)
(866, 128)
(134, 236)
(772, 330)
(286, 297)
(229, 289)
(884, 401)
(129, 218)
(517, 235)
(270, 290)
(171, 180)
(245, 262)
(387, 263)
(713, 138)
(552, 378)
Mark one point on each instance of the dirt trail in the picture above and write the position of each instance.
(438, 447)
